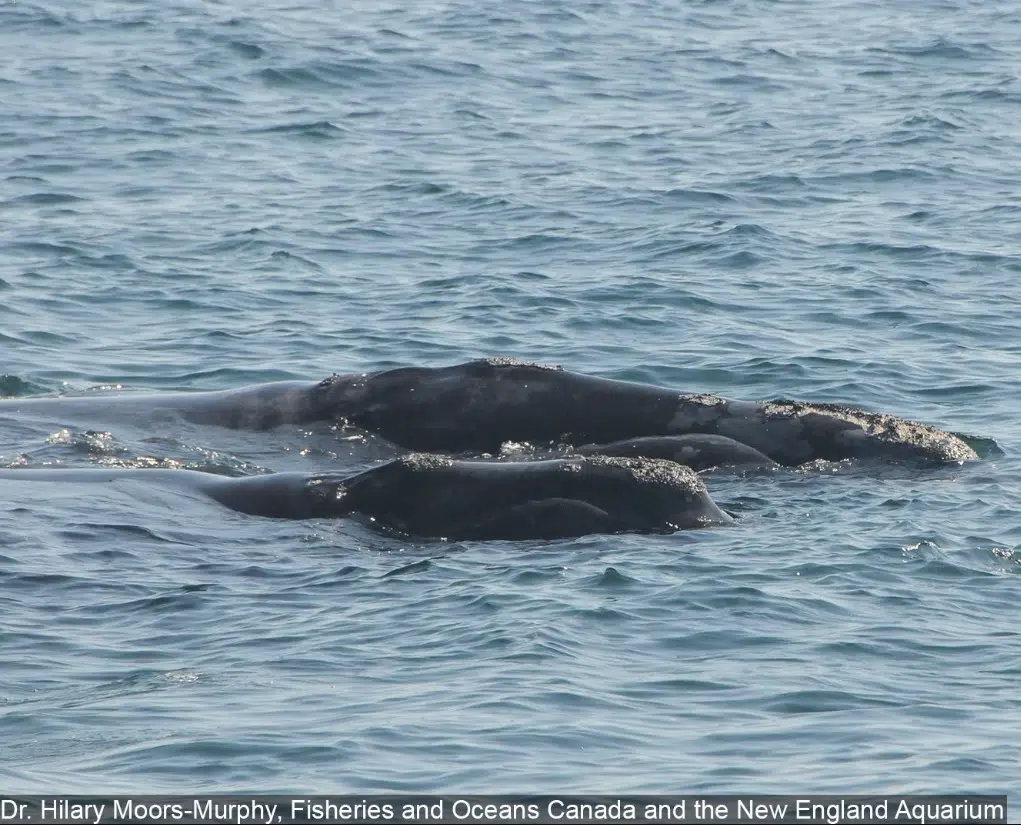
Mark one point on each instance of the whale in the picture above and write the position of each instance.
(424, 495)
(698, 451)
(475, 407)
(254, 407)
(479, 405)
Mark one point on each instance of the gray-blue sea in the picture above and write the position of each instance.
(810, 199)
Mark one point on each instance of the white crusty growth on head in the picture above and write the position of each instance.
(654, 471)
(508, 361)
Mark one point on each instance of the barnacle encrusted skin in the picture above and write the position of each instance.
(704, 398)
(508, 361)
(698, 412)
(881, 427)
(654, 471)
(425, 461)
(328, 382)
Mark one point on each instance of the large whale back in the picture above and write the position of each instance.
(479, 405)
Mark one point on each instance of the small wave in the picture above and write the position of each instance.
(415, 567)
(166, 603)
(698, 196)
(318, 130)
(770, 183)
(941, 49)
(929, 121)
(43, 248)
(824, 701)
(12, 385)
(614, 579)
(741, 260)
(325, 75)
(249, 51)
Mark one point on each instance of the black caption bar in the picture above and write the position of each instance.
(449, 809)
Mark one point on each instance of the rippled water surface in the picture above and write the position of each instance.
(802, 199)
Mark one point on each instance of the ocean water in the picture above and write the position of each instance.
(815, 199)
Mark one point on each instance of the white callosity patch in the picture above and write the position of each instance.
(654, 471)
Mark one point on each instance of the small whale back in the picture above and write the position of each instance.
(699, 451)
